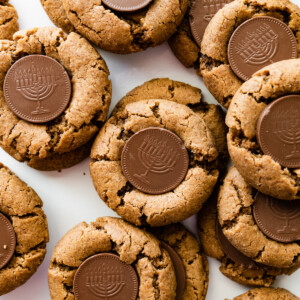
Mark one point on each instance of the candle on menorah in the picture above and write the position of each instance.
(211, 7)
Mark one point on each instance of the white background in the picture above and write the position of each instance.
(69, 196)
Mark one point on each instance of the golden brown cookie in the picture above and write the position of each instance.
(267, 293)
(121, 32)
(183, 93)
(259, 276)
(259, 169)
(130, 203)
(235, 211)
(194, 260)
(134, 247)
(62, 142)
(8, 20)
(23, 208)
(215, 68)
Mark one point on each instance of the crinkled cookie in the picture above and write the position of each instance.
(66, 140)
(21, 209)
(8, 20)
(134, 247)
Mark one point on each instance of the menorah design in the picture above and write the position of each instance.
(156, 157)
(287, 215)
(36, 84)
(259, 47)
(211, 7)
(106, 282)
(288, 131)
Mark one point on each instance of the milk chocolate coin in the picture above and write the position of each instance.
(201, 12)
(259, 42)
(155, 160)
(7, 241)
(277, 219)
(179, 269)
(37, 88)
(104, 276)
(278, 131)
(126, 5)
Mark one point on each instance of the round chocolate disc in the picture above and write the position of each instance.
(277, 219)
(179, 269)
(278, 131)
(201, 12)
(7, 241)
(126, 5)
(230, 251)
(155, 160)
(37, 88)
(259, 42)
(104, 276)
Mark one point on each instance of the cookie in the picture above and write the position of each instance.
(186, 41)
(235, 210)
(267, 293)
(118, 31)
(195, 265)
(8, 20)
(265, 170)
(20, 212)
(270, 39)
(247, 272)
(136, 253)
(183, 93)
(63, 141)
(129, 202)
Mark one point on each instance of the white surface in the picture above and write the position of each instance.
(69, 197)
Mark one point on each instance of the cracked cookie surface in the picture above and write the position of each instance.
(194, 260)
(64, 141)
(267, 293)
(156, 210)
(133, 245)
(126, 33)
(182, 93)
(22, 206)
(262, 276)
(8, 20)
(258, 169)
(214, 66)
(235, 206)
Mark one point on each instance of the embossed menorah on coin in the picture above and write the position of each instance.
(261, 49)
(156, 157)
(106, 282)
(213, 6)
(36, 85)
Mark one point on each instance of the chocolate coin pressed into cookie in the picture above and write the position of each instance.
(278, 131)
(126, 5)
(155, 160)
(230, 251)
(7, 241)
(201, 12)
(277, 219)
(179, 269)
(259, 42)
(37, 88)
(105, 276)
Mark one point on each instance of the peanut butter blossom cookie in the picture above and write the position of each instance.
(169, 170)
(234, 264)
(8, 20)
(244, 37)
(264, 130)
(117, 25)
(55, 97)
(186, 41)
(23, 231)
(267, 293)
(110, 259)
(240, 216)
